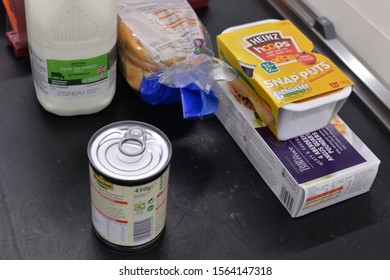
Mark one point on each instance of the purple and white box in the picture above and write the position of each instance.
(308, 172)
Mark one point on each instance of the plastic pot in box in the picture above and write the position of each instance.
(293, 90)
(303, 117)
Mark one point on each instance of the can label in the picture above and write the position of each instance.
(129, 216)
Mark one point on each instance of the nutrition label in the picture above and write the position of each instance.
(115, 230)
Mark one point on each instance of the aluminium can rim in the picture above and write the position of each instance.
(153, 136)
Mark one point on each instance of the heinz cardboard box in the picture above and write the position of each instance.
(293, 89)
(306, 173)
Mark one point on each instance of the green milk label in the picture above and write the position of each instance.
(78, 72)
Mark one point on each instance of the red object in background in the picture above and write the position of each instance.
(198, 3)
(17, 37)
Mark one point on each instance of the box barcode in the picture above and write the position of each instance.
(287, 199)
(143, 230)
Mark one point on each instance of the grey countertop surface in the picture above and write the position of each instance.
(218, 207)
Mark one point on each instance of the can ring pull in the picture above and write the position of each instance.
(135, 135)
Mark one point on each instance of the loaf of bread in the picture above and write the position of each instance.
(169, 34)
(132, 73)
(131, 49)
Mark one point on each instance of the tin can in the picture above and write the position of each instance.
(129, 173)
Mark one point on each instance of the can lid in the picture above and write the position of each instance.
(129, 151)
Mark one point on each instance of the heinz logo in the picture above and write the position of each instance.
(271, 46)
(260, 39)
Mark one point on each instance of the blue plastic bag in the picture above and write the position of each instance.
(190, 82)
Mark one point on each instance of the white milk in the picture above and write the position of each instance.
(73, 53)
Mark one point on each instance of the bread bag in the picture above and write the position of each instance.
(153, 37)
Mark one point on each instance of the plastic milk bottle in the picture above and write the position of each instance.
(72, 45)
